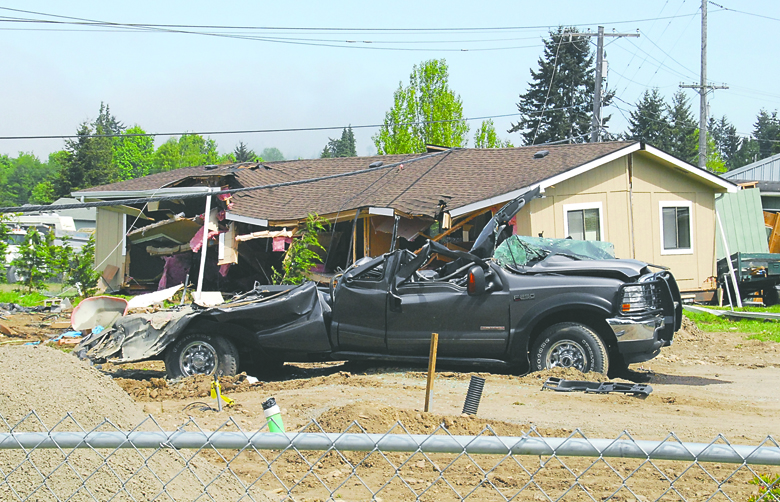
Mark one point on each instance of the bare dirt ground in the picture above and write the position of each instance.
(704, 385)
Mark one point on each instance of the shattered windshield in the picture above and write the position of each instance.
(521, 250)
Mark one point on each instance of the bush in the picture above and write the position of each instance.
(768, 487)
(81, 272)
(301, 256)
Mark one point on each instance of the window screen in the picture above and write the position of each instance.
(584, 224)
(676, 227)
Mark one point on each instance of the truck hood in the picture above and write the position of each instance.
(618, 268)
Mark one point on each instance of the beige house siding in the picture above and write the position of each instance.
(108, 233)
(653, 183)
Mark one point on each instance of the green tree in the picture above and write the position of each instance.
(272, 155)
(43, 193)
(683, 139)
(341, 147)
(302, 254)
(4, 235)
(427, 111)
(726, 139)
(486, 137)
(82, 273)
(188, 150)
(558, 104)
(89, 159)
(34, 262)
(244, 154)
(715, 162)
(648, 122)
(133, 153)
(766, 131)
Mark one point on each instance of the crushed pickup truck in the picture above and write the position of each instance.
(518, 302)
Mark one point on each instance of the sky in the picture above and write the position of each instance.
(297, 65)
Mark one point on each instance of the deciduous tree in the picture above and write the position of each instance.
(486, 137)
(426, 111)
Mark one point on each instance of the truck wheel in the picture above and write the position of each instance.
(569, 345)
(199, 354)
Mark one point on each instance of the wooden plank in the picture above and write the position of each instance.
(774, 238)
(366, 239)
(460, 224)
(431, 369)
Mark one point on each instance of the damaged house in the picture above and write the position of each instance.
(650, 205)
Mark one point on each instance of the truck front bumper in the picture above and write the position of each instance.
(638, 339)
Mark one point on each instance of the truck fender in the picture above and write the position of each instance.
(579, 307)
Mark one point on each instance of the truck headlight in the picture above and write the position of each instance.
(639, 298)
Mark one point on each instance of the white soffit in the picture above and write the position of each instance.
(382, 211)
(246, 219)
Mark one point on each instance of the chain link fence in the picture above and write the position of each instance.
(66, 461)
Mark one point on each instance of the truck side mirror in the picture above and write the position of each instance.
(476, 282)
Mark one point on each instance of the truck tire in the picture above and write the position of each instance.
(569, 345)
(199, 354)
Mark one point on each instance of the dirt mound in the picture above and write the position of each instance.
(689, 332)
(378, 419)
(53, 384)
(158, 389)
(539, 377)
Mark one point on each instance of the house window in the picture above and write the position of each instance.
(676, 228)
(583, 221)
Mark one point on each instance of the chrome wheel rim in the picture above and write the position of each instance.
(567, 354)
(198, 358)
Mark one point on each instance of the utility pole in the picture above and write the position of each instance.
(595, 132)
(703, 89)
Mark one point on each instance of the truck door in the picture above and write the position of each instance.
(468, 326)
(359, 309)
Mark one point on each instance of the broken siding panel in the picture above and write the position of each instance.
(743, 223)
(108, 247)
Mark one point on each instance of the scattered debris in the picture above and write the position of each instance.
(150, 299)
(560, 385)
(98, 310)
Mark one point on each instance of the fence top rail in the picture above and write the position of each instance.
(719, 450)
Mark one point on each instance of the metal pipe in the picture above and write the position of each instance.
(204, 248)
(483, 445)
(728, 259)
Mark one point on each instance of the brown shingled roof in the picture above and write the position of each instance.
(457, 178)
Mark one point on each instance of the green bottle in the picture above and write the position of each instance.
(273, 416)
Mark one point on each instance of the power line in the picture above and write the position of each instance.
(322, 29)
(260, 131)
(744, 12)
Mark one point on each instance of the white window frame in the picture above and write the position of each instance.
(579, 207)
(675, 203)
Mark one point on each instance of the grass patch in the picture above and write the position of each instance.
(30, 300)
(756, 329)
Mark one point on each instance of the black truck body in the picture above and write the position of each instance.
(554, 308)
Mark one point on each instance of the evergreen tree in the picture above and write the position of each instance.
(559, 102)
(486, 137)
(648, 122)
(244, 154)
(81, 273)
(683, 140)
(766, 131)
(342, 147)
(735, 150)
(427, 111)
(34, 262)
(89, 159)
